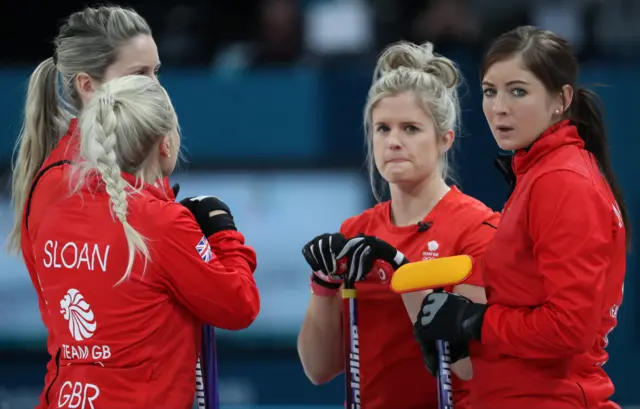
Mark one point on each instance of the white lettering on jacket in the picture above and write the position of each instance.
(77, 395)
(72, 255)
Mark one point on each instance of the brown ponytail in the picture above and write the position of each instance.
(587, 112)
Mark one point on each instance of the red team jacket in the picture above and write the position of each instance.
(50, 186)
(392, 372)
(136, 345)
(554, 280)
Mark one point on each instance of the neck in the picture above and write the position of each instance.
(411, 204)
(151, 176)
(150, 170)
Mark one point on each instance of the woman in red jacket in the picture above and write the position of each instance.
(93, 46)
(127, 275)
(554, 273)
(410, 118)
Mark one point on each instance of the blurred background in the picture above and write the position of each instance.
(270, 97)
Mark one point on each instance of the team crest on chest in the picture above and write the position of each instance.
(431, 251)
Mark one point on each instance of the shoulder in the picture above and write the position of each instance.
(571, 205)
(359, 223)
(55, 167)
(569, 187)
(568, 158)
(67, 149)
(567, 176)
(161, 216)
(473, 223)
(464, 210)
(50, 185)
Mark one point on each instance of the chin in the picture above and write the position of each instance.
(400, 178)
(395, 177)
(508, 144)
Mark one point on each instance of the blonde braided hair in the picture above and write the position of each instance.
(124, 121)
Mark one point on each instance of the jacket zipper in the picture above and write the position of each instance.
(55, 377)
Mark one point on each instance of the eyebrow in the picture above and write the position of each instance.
(144, 66)
(402, 123)
(513, 82)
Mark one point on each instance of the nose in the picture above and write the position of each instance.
(393, 140)
(499, 104)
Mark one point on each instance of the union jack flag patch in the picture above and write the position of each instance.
(204, 249)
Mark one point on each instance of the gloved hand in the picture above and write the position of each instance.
(320, 253)
(457, 351)
(211, 213)
(363, 251)
(450, 317)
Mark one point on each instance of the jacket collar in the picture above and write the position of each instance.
(157, 190)
(560, 134)
(503, 163)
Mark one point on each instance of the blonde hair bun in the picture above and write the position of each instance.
(405, 55)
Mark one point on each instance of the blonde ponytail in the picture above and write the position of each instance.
(44, 123)
(98, 142)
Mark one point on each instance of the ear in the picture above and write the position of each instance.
(566, 98)
(85, 86)
(165, 147)
(446, 141)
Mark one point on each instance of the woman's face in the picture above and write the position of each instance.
(138, 56)
(406, 148)
(517, 105)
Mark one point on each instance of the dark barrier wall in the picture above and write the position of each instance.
(312, 119)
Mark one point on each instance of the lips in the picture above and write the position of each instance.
(503, 129)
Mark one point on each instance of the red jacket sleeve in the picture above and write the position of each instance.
(475, 242)
(216, 286)
(571, 232)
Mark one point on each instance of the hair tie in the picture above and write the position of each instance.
(109, 99)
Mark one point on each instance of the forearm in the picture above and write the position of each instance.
(544, 332)
(412, 302)
(320, 342)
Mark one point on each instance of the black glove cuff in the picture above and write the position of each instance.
(216, 224)
(322, 283)
(472, 320)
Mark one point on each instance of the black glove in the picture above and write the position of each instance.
(201, 208)
(450, 317)
(363, 251)
(320, 254)
(175, 188)
(457, 351)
